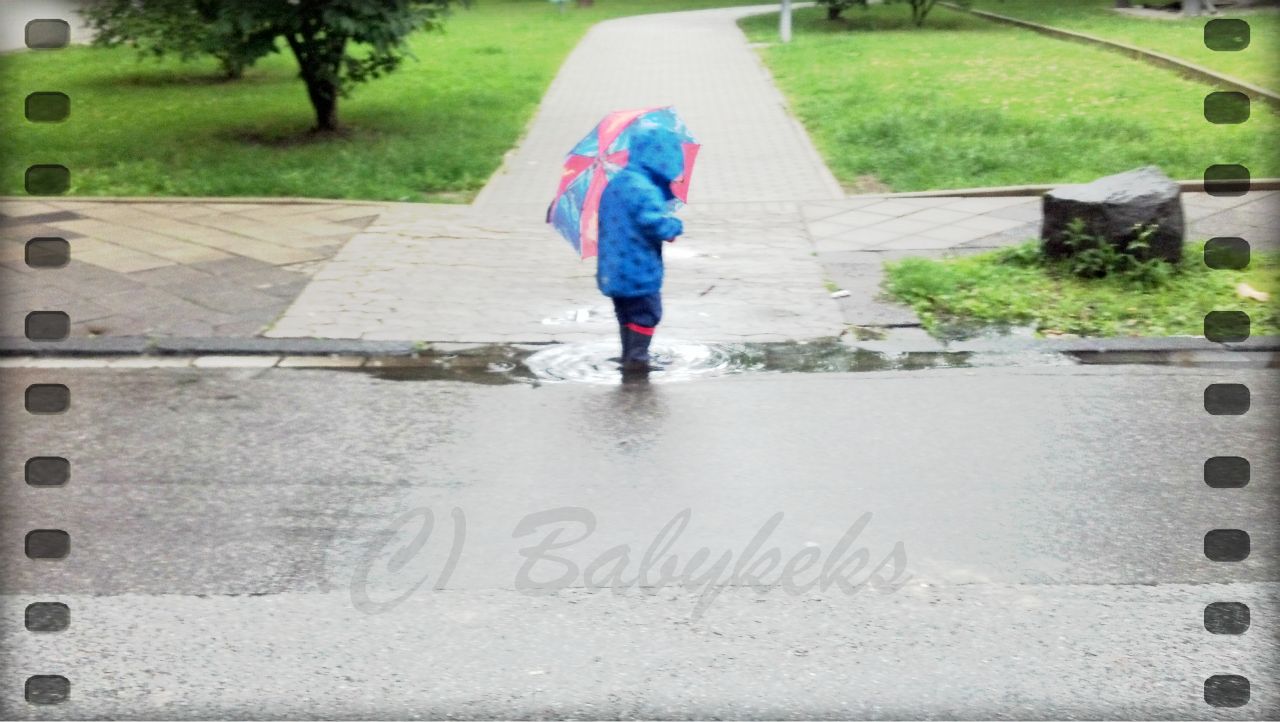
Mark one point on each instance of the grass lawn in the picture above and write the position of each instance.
(966, 102)
(434, 130)
(1181, 38)
(1000, 288)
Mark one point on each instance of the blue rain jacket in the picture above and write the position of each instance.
(634, 216)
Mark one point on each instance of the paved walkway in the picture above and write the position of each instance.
(699, 62)
(169, 268)
(459, 274)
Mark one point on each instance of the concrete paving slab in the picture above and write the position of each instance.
(143, 262)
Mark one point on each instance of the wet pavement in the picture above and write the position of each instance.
(983, 541)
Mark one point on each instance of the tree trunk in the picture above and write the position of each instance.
(920, 10)
(324, 99)
(833, 12)
(313, 63)
(231, 69)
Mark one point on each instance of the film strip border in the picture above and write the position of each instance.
(1226, 399)
(1220, 472)
(47, 325)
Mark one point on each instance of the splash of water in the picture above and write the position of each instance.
(673, 360)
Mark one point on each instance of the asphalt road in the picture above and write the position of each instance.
(1020, 543)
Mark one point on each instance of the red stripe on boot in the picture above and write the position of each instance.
(645, 330)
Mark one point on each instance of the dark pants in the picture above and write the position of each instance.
(642, 311)
(637, 317)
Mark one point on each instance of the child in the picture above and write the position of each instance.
(635, 220)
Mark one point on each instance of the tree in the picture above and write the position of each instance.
(836, 7)
(186, 28)
(321, 34)
(920, 10)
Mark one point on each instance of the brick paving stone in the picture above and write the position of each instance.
(919, 242)
(1013, 236)
(854, 239)
(169, 276)
(16, 208)
(240, 328)
(1206, 200)
(954, 234)
(904, 225)
(894, 207)
(984, 204)
(939, 215)
(136, 299)
(121, 260)
(232, 266)
(12, 251)
(856, 218)
(989, 224)
(1239, 217)
(114, 325)
(226, 300)
(1025, 211)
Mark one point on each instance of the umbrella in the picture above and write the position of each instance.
(596, 159)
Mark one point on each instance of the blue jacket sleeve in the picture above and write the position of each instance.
(652, 218)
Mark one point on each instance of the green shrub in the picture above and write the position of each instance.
(1093, 256)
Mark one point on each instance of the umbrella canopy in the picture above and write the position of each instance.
(597, 158)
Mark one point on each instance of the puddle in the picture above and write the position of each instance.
(489, 365)
(1188, 359)
(597, 363)
(681, 361)
(674, 361)
(948, 331)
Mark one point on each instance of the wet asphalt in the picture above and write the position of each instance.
(992, 542)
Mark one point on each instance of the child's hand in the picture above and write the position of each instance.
(672, 240)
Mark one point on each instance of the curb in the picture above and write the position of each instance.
(269, 200)
(1091, 346)
(258, 346)
(243, 346)
(1173, 344)
(1192, 186)
(1197, 72)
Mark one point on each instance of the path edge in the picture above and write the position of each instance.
(1198, 72)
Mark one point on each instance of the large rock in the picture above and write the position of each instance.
(1111, 206)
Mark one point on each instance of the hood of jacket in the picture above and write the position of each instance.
(659, 154)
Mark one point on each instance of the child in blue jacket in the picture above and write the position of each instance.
(635, 220)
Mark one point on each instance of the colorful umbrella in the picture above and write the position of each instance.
(596, 159)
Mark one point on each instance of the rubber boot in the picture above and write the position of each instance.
(635, 358)
(625, 337)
